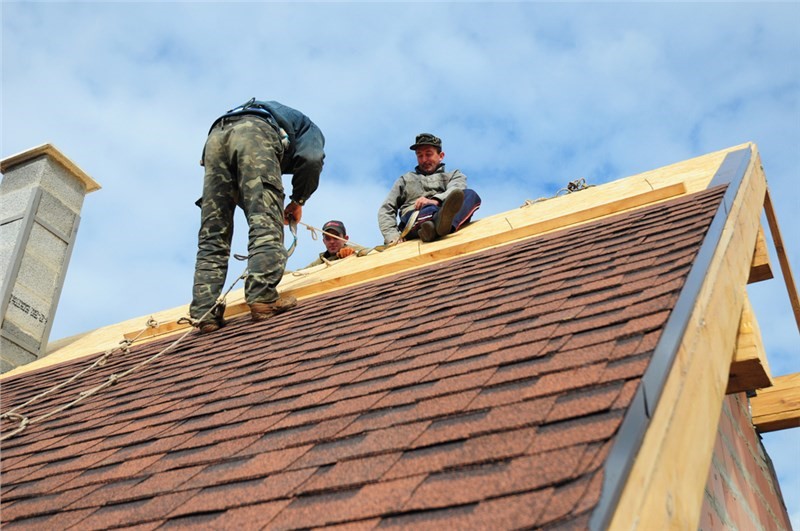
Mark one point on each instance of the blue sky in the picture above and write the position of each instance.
(526, 96)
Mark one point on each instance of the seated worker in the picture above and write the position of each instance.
(335, 248)
(441, 198)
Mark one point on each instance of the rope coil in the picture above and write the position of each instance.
(573, 186)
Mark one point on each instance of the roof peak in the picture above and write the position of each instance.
(529, 220)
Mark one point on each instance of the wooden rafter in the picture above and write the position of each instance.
(786, 269)
(749, 369)
(760, 268)
(778, 407)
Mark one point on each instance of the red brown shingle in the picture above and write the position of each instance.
(484, 391)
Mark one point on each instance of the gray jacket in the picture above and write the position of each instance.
(411, 186)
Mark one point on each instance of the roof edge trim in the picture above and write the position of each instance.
(637, 420)
(731, 172)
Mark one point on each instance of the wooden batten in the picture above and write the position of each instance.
(491, 232)
(168, 327)
(749, 369)
(159, 329)
(683, 427)
(777, 407)
(760, 268)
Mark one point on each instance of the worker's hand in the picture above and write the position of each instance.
(345, 251)
(292, 212)
(423, 201)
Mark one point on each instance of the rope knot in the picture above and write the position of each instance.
(313, 232)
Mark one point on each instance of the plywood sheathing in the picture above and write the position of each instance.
(657, 494)
(595, 203)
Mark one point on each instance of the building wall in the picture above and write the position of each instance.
(742, 490)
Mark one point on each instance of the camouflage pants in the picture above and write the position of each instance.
(242, 167)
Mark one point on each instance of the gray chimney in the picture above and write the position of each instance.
(41, 195)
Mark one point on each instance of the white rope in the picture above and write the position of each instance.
(25, 421)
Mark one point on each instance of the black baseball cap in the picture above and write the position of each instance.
(335, 226)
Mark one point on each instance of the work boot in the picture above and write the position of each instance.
(215, 322)
(427, 231)
(208, 327)
(264, 310)
(448, 210)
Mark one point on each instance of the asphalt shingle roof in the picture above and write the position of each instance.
(485, 391)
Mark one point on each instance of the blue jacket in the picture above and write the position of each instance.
(304, 157)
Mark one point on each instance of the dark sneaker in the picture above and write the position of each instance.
(448, 210)
(427, 231)
(264, 310)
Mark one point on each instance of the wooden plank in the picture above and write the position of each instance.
(151, 332)
(358, 270)
(749, 369)
(517, 227)
(778, 407)
(760, 268)
(786, 269)
(692, 174)
(683, 429)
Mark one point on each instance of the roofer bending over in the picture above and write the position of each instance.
(335, 248)
(247, 150)
(441, 198)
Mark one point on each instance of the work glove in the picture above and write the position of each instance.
(345, 251)
(293, 212)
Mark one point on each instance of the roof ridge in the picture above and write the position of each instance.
(487, 233)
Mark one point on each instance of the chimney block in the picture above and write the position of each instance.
(41, 196)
